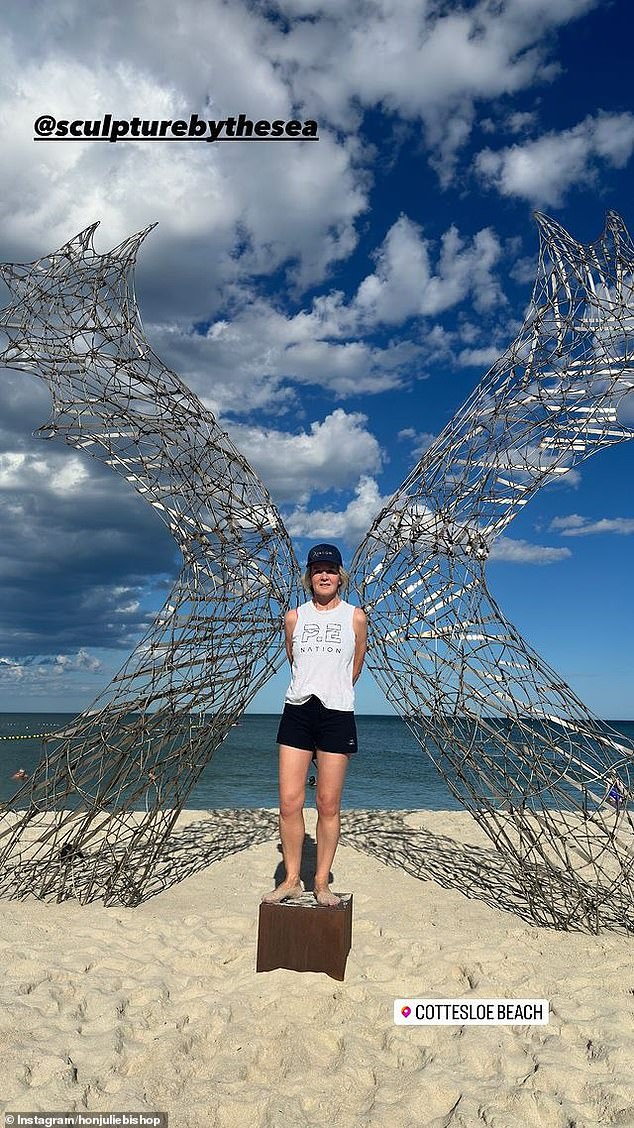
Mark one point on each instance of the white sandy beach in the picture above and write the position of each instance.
(160, 1008)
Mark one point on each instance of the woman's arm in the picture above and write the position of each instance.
(360, 628)
(290, 622)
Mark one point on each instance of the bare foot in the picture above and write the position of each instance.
(284, 892)
(323, 896)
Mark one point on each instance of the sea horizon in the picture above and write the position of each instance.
(258, 713)
(391, 770)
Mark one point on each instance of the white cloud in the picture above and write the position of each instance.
(331, 455)
(543, 170)
(70, 477)
(537, 463)
(229, 209)
(449, 140)
(524, 269)
(520, 122)
(573, 521)
(234, 210)
(37, 669)
(625, 409)
(420, 440)
(82, 660)
(479, 358)
(405, 285)
(521, 552)
(231, 215)
(57, 471)
(247, 362)
(412, 278)
(435, 63)
(352, 368)
(576, 526)
(569, 479)
(349, 525)
(11, 467)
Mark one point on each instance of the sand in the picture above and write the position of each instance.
(160, 1008)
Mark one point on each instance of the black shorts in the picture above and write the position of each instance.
(312, 726)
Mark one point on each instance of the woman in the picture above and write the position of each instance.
(326, 641)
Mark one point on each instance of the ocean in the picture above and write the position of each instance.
(390, 771)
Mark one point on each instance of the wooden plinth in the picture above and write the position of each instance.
(304, 936)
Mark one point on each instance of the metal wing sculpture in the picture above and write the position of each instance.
(549, 783)
(144, 742)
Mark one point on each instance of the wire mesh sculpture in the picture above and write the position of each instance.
(549, 783)
(146, 739)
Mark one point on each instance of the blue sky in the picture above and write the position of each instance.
(332, 303)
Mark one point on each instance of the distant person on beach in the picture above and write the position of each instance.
(21, 774)
(326, 641)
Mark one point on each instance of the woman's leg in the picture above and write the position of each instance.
(331, 774)
(294, 764)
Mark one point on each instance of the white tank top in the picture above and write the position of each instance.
(323, 656)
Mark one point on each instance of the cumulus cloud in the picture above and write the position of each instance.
(521, 552)
(44, 667)
(576, 526)
(436, 63)
(524, 269)
(543, 170)
(520, 122)
(479, 358)
(253, 362)
(348, 525)
(404, 284)
(420, 440)
(82, 660)
(83, 557)
(253, 359)
(62, 681)
(56, 473)
(331, 455)
(227, 208)
(350, 368)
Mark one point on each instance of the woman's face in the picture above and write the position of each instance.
(324, 579)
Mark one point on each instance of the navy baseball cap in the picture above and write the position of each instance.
(324, 554)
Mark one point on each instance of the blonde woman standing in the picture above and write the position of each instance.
(326, 641)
